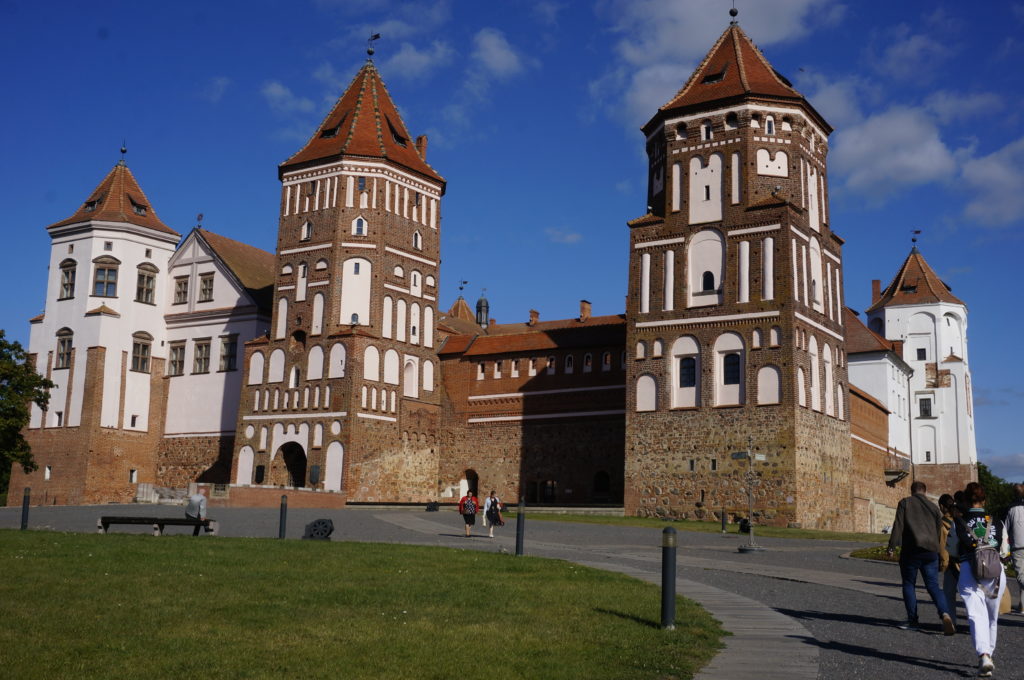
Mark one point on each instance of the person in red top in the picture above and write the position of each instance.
(468, 506)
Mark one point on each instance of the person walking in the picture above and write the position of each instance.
(468, 505)
(196, 508)
(977, 531)
(1014, 525)
(916, 532)
(949, 567)
(492, 513)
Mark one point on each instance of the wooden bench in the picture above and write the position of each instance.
(158, 523)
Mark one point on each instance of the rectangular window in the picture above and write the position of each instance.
(687, 372)
(108, 245)
(67, 283)
(140, 356)
(922, 354)
(201, 364)
(145, 287)
(63, 352)
(714, 464)
(106, 282)
(731, 365)
(693, 465)
(48, 473)
(362, 184)
(181, 290)
(206, 288)
(133, 476)
(925, 406)
(228, 352)
(176, 360)
(60, 418)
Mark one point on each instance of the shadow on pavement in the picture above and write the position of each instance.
(857, 619)
(630, 617)
(964, 670)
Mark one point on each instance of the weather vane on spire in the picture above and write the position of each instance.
(369, 43)
(733, 12)
(462, 285)
(124, 150)
(913, 236)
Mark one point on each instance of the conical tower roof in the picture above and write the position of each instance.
(364, 122)
(916, 283)
(118, 198)
(734, 68)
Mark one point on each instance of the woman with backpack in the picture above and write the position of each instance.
(492, 513)
(982, 580)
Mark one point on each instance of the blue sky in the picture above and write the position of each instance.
(532, 109)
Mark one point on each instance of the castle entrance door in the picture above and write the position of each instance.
(289, 466)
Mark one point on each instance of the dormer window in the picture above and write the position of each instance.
(138, 208)
(91, 205)
(333, 131)
(396, 135)
(718, 77)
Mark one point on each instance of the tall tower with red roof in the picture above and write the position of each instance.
(343, 394)
(99, 340)
(735, 332)
(921, 313)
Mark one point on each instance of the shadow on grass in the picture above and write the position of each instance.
(630, 617)
(963, 670)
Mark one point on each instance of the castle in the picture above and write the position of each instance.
(330, 369)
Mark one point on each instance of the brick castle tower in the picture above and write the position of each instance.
(734, 312)
(344, 392)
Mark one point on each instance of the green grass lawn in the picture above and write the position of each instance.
(134, 606)
(704, 527)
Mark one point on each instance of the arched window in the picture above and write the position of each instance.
(732, 121)
(391, 362)
(815, 377)
(65, 337)
(282, 318)
(641, 350)
(317, 325)
(410, 386)
(707, 282)
(646, 393)
(428, 376)
(681, 131)
(707, 133)
(428, 326)
(568, 363)
(769, 125)
(417, 240)
(356, 278)
(769, 381)
(371, 363)
(256, 368)
(359, 227)
(657, 348)
(320, 265)
(307, 231)
(729, 383)
(67, 279)
(387, 316)
(829, 387)
(755, 338)
(315, 364)
(774, 336)
(415, 283)
(295, 377)
(588, 363)
(275, 373)
(685, 358)
(336, 361)
(606, 361)
(551, 366)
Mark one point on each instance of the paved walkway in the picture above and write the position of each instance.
(797, 611)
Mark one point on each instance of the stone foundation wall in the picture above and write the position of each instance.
(823, 472)
(945, 478)
(182, 460)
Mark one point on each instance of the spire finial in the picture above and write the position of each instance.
(914, 233)
(369, 44)
(733, 12)
(199, 221)
(124, 150)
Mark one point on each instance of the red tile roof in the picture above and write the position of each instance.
(102, 310)
(364, 122)
(915, 283)
(118, 198)
(735, 67)
(544, 335)
(868, 398)
(860, 338)
(644, 220)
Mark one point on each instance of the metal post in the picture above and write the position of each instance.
(24, 508)
(723, 520)
(284, 517)
(668, 578)
(520, 525)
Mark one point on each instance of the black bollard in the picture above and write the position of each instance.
(284, 517)
(723, 520)
(24, 508)
(520, 525)
(668, 579)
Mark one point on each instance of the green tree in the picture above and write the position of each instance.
(998, 492)
(20, 385)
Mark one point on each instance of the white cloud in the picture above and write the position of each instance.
(546, 12)
(405, 20)
(897, 148)
(215, 88)
(662, 41)
(495, 55)
(909, 56)
(563, 236)
(1008, 466)
(411, 63)
(839, 101)
(282, 100)
(997, 185)
(950, 106)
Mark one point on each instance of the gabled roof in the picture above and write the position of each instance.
(254, 268)
(734, 68)
(543, 335)
(364, 122)
(916, 283)
(860, 338)
(118, 198)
